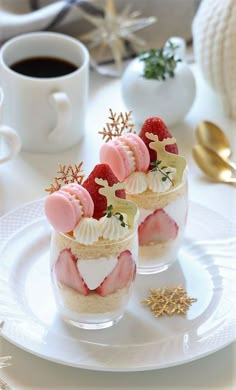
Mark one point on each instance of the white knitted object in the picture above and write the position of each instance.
(214, 44)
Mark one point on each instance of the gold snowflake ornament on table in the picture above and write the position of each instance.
(113, 31)
(168, 300)
(66, 174)
(117, 125)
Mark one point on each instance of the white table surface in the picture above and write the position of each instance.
(25, 178)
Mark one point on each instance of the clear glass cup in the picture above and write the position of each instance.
(162, 221)
(103, 306)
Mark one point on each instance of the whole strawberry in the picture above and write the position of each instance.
(156, 126)
(101, 171)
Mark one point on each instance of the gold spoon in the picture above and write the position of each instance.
(213, 165)
(211, 136)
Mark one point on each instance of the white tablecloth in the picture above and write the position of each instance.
(25, 179)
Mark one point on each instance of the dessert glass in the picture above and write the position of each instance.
(94, 309)
(172, 204)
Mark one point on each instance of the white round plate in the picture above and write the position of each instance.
(206, 268)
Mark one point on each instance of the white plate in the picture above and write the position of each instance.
(205, 267)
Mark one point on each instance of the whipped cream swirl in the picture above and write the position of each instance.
(155, 179)
(136, 183)
(139, 182)
(111, 228)
(87, 231)
(131, 158)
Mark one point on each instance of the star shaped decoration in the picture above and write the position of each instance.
(115, 32)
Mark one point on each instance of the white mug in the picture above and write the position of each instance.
(47, 112)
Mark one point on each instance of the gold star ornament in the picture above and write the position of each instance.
(168, 301)
(114, 33)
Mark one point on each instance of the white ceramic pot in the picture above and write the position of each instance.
(170, 99)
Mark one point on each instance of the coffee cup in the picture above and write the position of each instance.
(44, 79)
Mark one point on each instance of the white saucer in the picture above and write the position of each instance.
(206, 268)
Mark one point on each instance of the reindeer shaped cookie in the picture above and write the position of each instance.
(169, 159)
(119, 204)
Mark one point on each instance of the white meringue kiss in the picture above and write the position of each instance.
(136, 183)
(111, 228)
(87, 231)
(155, 180)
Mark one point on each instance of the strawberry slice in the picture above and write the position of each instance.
(101, 171)
(157, 227)
(156, 126)
(67, 273)
(123, 273)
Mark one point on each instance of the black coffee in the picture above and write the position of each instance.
(43, 67)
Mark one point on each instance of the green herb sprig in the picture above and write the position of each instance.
(110, 213)
(156, 167)
(160, 63)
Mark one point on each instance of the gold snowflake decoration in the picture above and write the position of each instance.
(66, 174)
(168, 300)
(119, 123)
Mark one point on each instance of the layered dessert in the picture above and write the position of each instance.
(93, 249)
(155, 178)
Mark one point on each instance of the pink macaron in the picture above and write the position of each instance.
(125, 155)
(64, 208)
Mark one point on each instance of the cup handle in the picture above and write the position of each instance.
(12, 141)
(10, 136)
(61, 103)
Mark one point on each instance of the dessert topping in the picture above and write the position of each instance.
(117, 206)
(113, 227)
(66, 174)
(87, 231)
(160, 179)
(130, 155)
(136, 183)
(168, 159)
(101, 171)
(163, 170)
(117, 125)
(77, 209)
(65, 208)
(155, 125)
